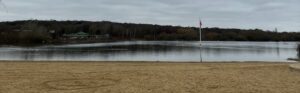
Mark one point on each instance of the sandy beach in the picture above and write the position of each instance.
(136, 77)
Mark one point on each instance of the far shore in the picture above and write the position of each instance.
(147, 77)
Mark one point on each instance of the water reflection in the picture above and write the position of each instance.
(156, 51)
(298, 51)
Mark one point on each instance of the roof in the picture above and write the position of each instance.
(81, 33)
(78, 34)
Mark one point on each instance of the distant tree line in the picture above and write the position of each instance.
(52, 31)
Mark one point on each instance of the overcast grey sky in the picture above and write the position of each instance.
(246, 14)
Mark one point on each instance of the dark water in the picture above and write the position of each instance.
(156, 51)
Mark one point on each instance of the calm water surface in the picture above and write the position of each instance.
(156, 51)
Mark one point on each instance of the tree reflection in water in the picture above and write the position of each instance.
(298, 51)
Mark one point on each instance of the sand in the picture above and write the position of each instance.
(135, 77)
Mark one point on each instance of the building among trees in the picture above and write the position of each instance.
(82, 35)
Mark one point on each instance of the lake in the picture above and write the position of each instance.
(155, 51)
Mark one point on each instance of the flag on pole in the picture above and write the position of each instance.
(200, 32)
(200, 23)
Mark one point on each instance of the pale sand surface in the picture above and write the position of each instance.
(129, 77)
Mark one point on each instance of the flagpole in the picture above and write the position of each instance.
(200, 37)
(200, 32)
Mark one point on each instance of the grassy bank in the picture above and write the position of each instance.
(135, 77)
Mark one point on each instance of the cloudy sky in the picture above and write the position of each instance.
(246, 14)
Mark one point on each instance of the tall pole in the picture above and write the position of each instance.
(200, 32)
(200, 37)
